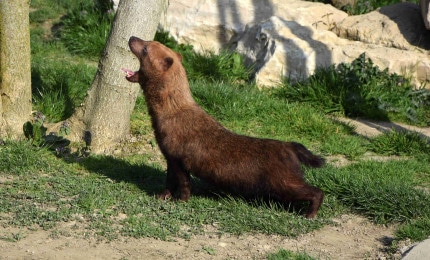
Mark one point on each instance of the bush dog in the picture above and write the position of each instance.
(194, 143)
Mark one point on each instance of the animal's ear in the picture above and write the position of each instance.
(166, 63)
(179, 56)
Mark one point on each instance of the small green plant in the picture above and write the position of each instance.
(13, 237)
(35, 132)
(283, 254)
(209, 250)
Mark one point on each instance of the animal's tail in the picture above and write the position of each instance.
(307, 157)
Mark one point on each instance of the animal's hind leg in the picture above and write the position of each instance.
(315, 201)
(305, 192)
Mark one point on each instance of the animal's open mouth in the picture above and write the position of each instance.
(129, 73)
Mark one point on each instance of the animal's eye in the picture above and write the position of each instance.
(144, 50)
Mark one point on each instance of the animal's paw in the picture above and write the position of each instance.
(165, 195)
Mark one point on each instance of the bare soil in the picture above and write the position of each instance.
(352, 237)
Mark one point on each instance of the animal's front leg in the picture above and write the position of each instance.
(171, 181)
(184, 184)
(177, 178)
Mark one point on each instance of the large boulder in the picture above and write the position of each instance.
(291, 38)
(399, 26)
(279, 47)
(210, 25)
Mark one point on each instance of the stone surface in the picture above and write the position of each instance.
(292, 38)
(210, 25)
(399, 26)
(419, 251)
(280, 47)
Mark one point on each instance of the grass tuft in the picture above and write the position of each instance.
(400, 143)
(385, 192)
(283, 254)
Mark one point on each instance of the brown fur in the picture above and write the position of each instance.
(193, 142)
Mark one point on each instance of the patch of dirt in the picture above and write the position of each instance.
(352, 237)
(370, 128)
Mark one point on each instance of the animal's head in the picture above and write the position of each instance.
(156, 60)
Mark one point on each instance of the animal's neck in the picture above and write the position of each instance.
(168, 100)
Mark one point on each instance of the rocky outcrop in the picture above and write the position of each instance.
(210, 25)
(292, 38)
(279, 47)
(399, 26)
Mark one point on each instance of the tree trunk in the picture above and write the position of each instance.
(15, 67)
(104, 118)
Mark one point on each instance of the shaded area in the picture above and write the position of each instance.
(148, 178)
(408, 18)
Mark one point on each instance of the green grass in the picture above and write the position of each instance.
(365, 6)
(44, 190)
(283, 254)
(113, 196)
(59, 85)
(101, 188)
(59, 78)
(242, 109)
(361, 89)
(401, 143)
(84, 30)
(223, 67)
(383, 191)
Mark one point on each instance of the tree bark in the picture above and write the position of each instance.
(15, 67)
(104, 118)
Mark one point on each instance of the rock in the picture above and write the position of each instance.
(424, 4)
(280, 47)
(285, 47)
(419, 251)
(399, 26)
(292, 38)
(210, 25)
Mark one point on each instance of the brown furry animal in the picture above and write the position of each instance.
(193, 142)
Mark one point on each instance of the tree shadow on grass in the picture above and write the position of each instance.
(148, 178)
